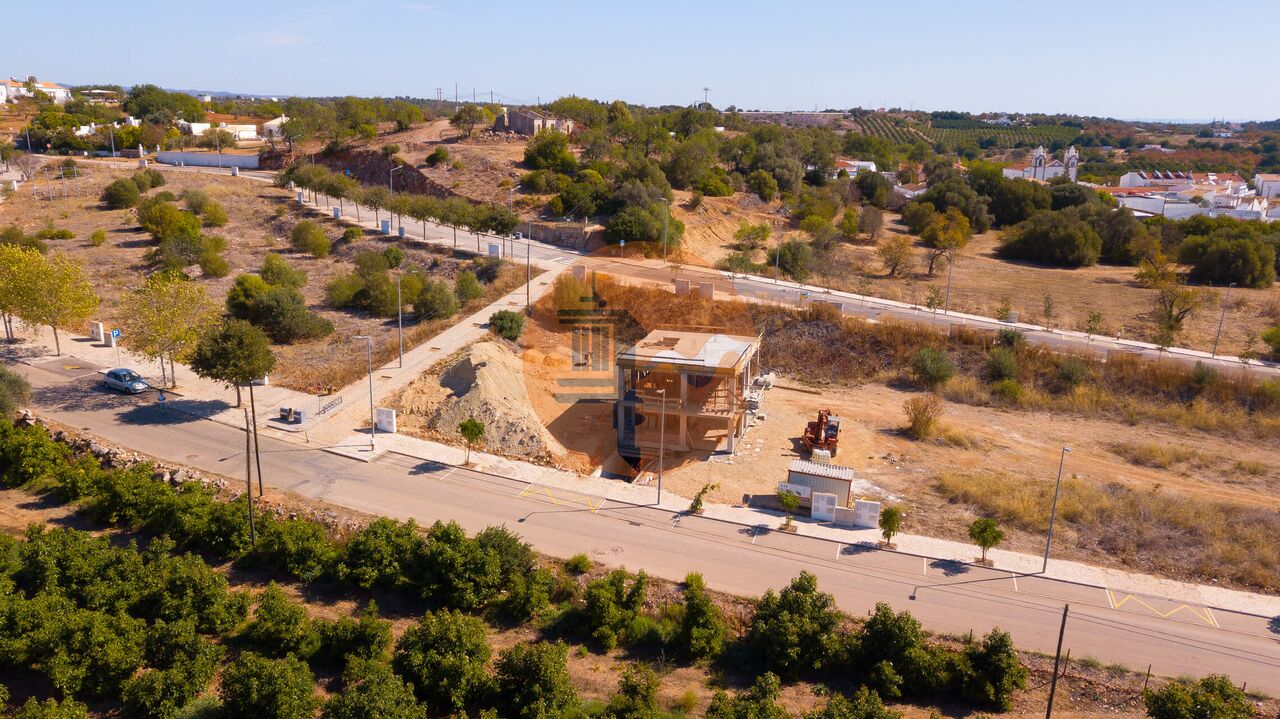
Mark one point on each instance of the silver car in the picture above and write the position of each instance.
(124, 380)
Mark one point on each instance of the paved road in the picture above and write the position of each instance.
(763, 289)
(1112, 627)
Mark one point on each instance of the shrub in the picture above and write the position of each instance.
(345, 639)
(56, 233)
(996, 671)
(1010, 338)
(922, 416)
(276, 271)
(613, 606)
(438, 156)
(1002, 364)
(213, 264)
(507, 324)
(280, 627)
(701, 632)
(120, 195)
(792, 631)
(1061, 239)
(932, 367)
(528, 594)
(443, 656)
(760, 701)
(14, 391)
(1214, 696)
(98, 238)
(578, 564)
(307, 236)
(1272, 337)
(254, 686)
(282, 312)
(1072, 372)
(763, 184)
(352, 234)
(466, 287)
(793, 257)
(532, 681)
(394, 256)
(435, 301)
(372, 689)
(213, 215)
(378, 555)
(1220, 260)
(637, 695)
(1009, 390)
(299, 548)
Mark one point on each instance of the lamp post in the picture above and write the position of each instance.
(391, 181)
(951, 263)
(1222, 318)
(662, 438)
(373, 425)
(1054, 512)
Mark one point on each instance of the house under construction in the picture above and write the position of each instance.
(700, 381)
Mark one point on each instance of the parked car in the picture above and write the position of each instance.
(124, 380)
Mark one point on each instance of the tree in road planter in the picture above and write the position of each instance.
(59, 294)
(472, 431)
(376, 197)
(890, 523)
(986, 534)
(166, 318)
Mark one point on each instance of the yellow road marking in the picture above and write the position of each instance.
(1201, 613)
(536, 489)
(72, 366)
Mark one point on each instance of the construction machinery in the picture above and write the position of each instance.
(822, 436)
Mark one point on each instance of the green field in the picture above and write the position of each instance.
(966, 132)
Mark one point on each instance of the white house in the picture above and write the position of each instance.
(241, 132)
(274, 129)
(853, 167)
(1044, 168)
(11, 90)
(1267, 185)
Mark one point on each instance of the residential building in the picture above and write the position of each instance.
(241, 132)
(699, 382)
(1044, 167)
(853, 167)
(530, 122)
(1267, 184)
(274, 129)
(11, 90)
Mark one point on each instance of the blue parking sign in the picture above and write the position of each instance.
(115, 334)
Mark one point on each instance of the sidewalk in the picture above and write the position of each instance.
(356, 445)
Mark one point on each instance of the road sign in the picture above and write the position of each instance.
(115, 334)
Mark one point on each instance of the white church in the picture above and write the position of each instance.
(1044, 167)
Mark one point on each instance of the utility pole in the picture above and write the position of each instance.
(1053, 514)
(528, 271)
(257, 448)
(951, 263)
(1053, 685)
(662, 437)
(491, 97)
(373, 425)
(248, 479)
(1222, 318)
(455, 97)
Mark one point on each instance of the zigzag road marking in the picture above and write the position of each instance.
(534, 489)
(1201, 613)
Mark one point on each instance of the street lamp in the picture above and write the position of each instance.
(662, 437)
(1054, 512)
(1222, 318)
(391, 182)
(951, 263)
(373, 425)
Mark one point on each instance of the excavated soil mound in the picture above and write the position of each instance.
(486, 383)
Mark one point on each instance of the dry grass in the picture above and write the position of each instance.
(923, 415)
(1160, 530)
(1153, 455)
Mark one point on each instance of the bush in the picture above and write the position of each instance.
(56, 233)
(437, 156)
(922, 416)
(1213, 697)
(996, 671)
(299, 548)
(352, 234)
(276, 271)
(1009, 390)
(507, 324)
(1002, 364)
(394, 256)
(1222, 259)
(532, 681)
(793, 258)
(98, 238)
(761, 701)
(282, 312)
(1072, 372)
(14, 391)
(435, 301)
(702, 631)
(213, 215)
(932, 367)
(378, 555)
(793, 631)
(466, 287)
(1061, 239)
(281, 627)
(578, 564)
(213, 264)
(444, 656)
(307, 236)
(452, 569)
(613, 606)
(763, 184)
(346, 639)
(120, 195)
(254, 686)
(371, 690)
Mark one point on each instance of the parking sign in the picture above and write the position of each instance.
(115, 334)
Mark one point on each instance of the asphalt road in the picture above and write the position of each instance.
(1132, 630)
(763, 289)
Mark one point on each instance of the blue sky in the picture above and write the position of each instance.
(1172, 59)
